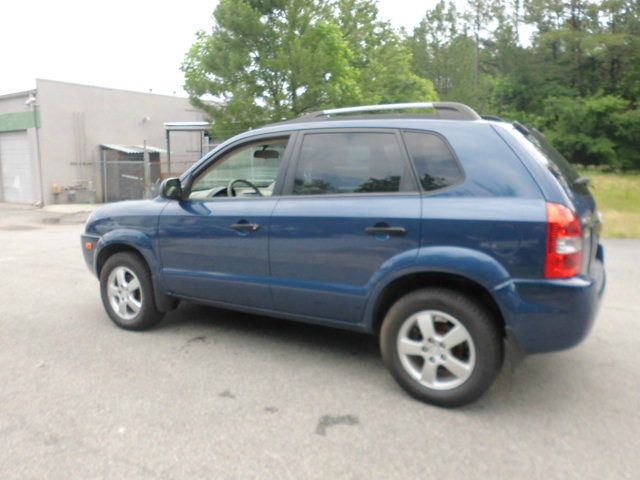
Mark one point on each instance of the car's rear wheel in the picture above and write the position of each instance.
(127, 292)
(441, 346)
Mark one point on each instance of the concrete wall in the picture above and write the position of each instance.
(76, 119)
(14, 102)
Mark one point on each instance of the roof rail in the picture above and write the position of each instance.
(495, 118)
(448, 110)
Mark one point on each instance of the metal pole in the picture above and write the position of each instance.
(147, 173)
(104, 177)
(168, 153)
(39, 159)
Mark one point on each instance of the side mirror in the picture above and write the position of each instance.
(171, 188)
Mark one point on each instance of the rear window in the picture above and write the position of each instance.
(436, 166)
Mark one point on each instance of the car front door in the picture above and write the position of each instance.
(214, 243)
(351, 206)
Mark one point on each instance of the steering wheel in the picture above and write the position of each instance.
(232, 193)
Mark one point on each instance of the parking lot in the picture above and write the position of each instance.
(217, 394)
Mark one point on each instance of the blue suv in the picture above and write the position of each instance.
(447, 234)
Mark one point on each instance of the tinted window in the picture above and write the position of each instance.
(333, 163)
(550, 158)
(435, 164)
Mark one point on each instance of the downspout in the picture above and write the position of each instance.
(33, 106)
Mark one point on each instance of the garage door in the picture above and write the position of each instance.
(16, 168)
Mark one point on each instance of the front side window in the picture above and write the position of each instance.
(251, 170)
(434, 162)
(349, 162)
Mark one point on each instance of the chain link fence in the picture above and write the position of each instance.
(125, 175)
(179, 164)
(118, 180)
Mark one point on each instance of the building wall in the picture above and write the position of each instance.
(76, 119)
(14, 102)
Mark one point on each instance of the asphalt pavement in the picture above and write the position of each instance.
(216, 394)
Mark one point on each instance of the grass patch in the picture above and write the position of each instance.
(618, 198)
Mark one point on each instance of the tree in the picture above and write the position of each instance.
(270, 60)
(380, 56)
(430, 46)
(577, 78)
(597, 130)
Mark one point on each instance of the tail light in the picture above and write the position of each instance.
(564, 242)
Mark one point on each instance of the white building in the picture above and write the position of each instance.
(54, 141)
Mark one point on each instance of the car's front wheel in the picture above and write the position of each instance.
(127, 292)
(441, 346)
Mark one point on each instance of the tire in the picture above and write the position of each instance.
(130, 304)
(444, 371)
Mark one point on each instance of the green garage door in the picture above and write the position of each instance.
(16, 168)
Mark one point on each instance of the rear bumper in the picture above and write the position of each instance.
(550, 315)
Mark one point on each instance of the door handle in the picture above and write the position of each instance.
(246, 227)
(393, 231)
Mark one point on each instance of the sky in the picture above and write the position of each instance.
(129, 44)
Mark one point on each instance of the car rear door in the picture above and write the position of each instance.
(351, 209)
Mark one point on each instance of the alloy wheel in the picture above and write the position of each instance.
(124, 292)
(436, 349)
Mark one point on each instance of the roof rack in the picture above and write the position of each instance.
(448, 110)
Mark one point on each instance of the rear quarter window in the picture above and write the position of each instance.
(491, 166)
(435, 164)
(544, 153)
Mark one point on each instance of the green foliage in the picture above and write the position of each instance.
(596, 130)
(578, 80)
(270, 60)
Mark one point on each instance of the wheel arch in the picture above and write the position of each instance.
(140, 245)
(411, 281)
(113, 248)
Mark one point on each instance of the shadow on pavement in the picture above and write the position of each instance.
(538, 384)
(270, 330)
